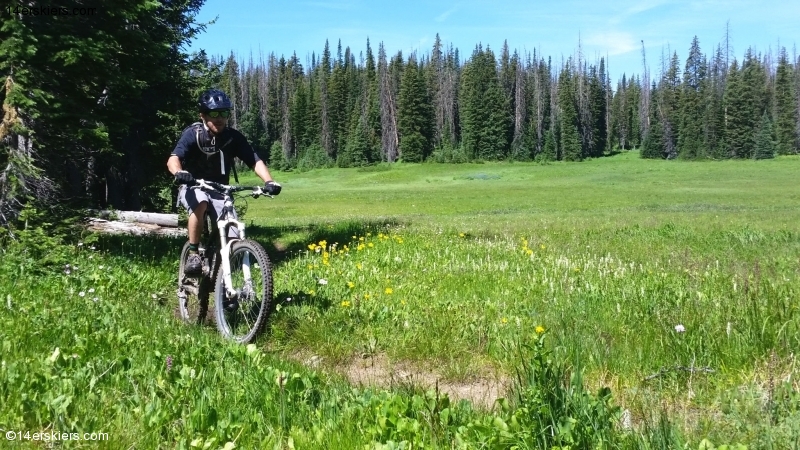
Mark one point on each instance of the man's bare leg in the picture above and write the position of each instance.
(196, 223)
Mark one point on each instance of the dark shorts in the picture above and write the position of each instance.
(191, 199)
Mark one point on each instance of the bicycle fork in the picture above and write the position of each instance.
(225, 252)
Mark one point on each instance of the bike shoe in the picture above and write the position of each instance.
(230, 305)
(193, 266)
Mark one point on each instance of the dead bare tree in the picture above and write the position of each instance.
(520, 102)
(287, 89)
(449, 95)
(644, 108)
(390, 141)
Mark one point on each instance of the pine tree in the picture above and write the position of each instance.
(714, 117)
(744, 104)
(620, 116)
(633, 103)
(414, 117)
(373, 106)
(786, 116)
(484, 112)
(669, 106)
(550, 147)
(599, 105)
(653, 144)
(764, 146)
(231, 85)
(691, 143)
(568, 124)
(99, 147)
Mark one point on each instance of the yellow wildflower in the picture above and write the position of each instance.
(366, 296)
(351, 285)
(360, 247)
(323, 243)
(312, 246)
(358, 266)
(539, 329)
(542, 246)
(461, 235)
(370, 245)
(403, 301)
(345, 303)
(361, 238)
(388, 291)
(529, 251)
(503, 320)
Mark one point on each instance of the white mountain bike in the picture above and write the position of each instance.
(238, 268)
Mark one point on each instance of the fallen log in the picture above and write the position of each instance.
(165, 220)
(136, 223)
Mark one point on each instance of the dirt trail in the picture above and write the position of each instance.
(378, 371)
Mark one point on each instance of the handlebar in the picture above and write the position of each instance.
(227, 189)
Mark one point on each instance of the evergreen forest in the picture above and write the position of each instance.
(92, 105)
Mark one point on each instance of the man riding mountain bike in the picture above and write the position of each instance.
(206, 150)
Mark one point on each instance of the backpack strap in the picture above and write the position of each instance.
(198, 128)
(233, 167)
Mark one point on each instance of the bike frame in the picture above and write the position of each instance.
(227, 219)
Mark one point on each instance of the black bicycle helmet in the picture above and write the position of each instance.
(212, 100)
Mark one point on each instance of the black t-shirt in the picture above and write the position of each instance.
(211, 158)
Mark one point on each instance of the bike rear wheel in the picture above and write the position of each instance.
(243, 316)
(193, 293)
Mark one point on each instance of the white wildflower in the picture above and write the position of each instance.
(91, 290)
(625, 421)
(323, 281)
(680, 328)
(81, 293)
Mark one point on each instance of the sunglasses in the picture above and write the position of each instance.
(215, 114)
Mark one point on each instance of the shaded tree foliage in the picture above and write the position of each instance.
(93, 102)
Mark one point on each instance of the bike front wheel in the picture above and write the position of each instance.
(193, 293)
(243, 315)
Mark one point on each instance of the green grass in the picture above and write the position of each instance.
(445, 266)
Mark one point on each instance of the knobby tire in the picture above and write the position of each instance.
(242, 319)
(193, 293)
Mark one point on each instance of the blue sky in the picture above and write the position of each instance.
(553, 28)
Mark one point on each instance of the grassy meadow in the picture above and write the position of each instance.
(620, 303)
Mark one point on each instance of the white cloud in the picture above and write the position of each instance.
(638, 8)
(443, 16)
(612, 42)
